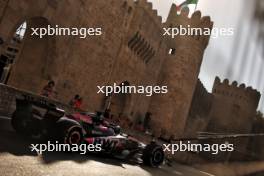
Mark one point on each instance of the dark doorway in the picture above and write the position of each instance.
(119, 102)
(3, 63)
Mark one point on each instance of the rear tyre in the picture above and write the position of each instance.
(19, 122)
(153, 155)
(23, 123)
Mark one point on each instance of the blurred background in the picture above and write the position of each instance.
(239, 57)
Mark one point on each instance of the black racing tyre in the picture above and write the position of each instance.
(153, 155)
(23, 123)
(70, 133)
(19, 122)
(73, 135)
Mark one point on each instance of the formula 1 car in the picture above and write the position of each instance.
(38, 117)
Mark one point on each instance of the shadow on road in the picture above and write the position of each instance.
(15, 144)
(19, 145)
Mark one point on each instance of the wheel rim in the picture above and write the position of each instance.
(157, 158)
(75, 137)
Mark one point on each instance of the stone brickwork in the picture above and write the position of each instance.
(255, 145)
(234, 107)
(7, 100)
(229, 109)
(3, 4)
(8, 96)
(198, 117)
(131, 49)
(233, 112)
(180, 72)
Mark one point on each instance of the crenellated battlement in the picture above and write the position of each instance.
(196, 19)
(235, 91)
(147, 6)
(196, 23)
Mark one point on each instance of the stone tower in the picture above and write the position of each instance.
(179, 72)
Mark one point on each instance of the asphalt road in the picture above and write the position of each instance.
(16, 158)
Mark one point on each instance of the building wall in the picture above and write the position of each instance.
(131, 49)
(233, 112)
(255, 145)
(233, 108)
(200, 109)
(2, 8)
(8, 96)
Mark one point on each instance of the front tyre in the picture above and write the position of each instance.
(153, 155)
(73, 135)
(70, 132)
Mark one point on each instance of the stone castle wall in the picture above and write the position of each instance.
(131, 49)
(8, 96)
(233, 112)
(200, 109)
(233, 108)
(229, 109)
